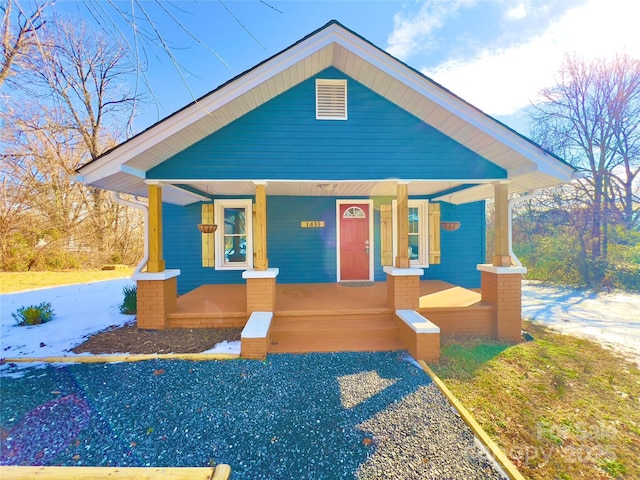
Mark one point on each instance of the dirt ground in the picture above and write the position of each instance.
(130, 339)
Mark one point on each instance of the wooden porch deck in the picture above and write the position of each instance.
(324, 317)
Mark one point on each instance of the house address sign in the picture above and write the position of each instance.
(312, 224)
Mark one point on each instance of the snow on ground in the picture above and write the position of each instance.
(81, 310)
(612, 319)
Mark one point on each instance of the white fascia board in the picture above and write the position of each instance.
(556, 169)
(91, 175)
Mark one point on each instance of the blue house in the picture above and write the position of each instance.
(336, 165)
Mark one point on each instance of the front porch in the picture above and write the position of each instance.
(405, 311)
(326, 317)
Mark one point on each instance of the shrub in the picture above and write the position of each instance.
(34, 314)
(129, 305)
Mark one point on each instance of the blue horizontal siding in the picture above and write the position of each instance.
(283, 140)
(303, 255)
(462, 250)
(182, 249)
(308, 255)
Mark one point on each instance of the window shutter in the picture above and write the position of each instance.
(434, 233)
(208, 253)
(386, 234)
(331, 99)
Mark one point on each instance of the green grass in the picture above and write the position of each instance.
(19, 281)
(559, 406)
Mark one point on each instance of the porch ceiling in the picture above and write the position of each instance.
(320, 188)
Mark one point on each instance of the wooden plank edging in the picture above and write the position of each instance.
(220, 472)
(124, 358)
(500, 457)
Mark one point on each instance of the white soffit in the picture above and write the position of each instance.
(316, 188)
(524, 183)
(131, 185)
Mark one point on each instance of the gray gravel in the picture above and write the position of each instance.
(315, 416)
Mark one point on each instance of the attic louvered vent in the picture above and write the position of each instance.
(331, 99)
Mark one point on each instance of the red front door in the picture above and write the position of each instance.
(354, 241)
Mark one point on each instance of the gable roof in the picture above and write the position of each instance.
(529, 166)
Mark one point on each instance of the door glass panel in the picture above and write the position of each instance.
(354, 212)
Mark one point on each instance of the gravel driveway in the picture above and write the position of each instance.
(315, 416)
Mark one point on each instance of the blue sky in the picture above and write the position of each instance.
(496, 54)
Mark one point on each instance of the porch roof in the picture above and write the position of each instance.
(529, 166)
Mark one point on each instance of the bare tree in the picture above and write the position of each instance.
(87, 78)
(19, 35)
(625, 113)
(73, 103)
(591, 118)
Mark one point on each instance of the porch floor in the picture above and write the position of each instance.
(328, 317)
(225, 300)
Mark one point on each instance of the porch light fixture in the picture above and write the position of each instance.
(207, 227)
(327, 187)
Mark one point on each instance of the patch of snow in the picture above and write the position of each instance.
(612, 319)
(225, 347)
(81, 310)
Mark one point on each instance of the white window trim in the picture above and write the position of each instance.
(322, 81)
(219, 206)
(423, 229)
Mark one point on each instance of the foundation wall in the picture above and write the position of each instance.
(473, 321)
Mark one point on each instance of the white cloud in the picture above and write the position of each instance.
(411, 32)
(516, 13)
(502, 81)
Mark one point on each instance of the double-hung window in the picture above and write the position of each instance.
(418, 245)
(234, 236)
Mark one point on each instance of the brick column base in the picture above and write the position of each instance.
(502, 287)
(261, 290)
(156, 298)
(403, 288)
(421, 346)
